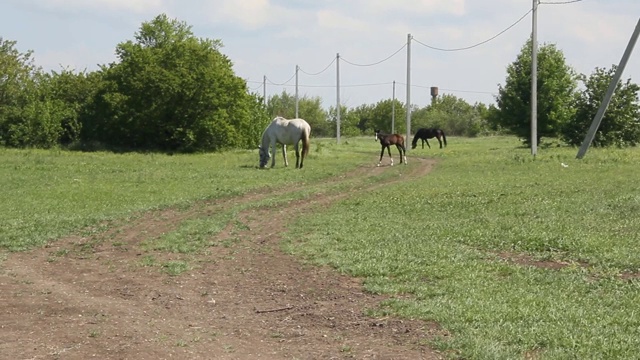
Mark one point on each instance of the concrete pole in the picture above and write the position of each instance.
(393, 109)
(297, 68)
(534, 79)
(408, 105)
(338, 98)
(607, 97)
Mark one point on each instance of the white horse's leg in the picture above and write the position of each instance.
(273, 151)
(284, 154)
(297, 149)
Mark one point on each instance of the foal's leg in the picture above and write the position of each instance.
(440, 141)
(381, 154)
(390, 157)
(403, 158)
(427, 141)
(284, 154)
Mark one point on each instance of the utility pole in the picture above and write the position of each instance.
(338, 97)
(264, 89)
(393, 109)
(408, 87)
(534, 79)
(607, 97)
(297, 68)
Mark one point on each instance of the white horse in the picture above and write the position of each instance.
(285, 132)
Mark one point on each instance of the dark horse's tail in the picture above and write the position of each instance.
(444, 138)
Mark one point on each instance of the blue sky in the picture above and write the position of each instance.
(271, 37)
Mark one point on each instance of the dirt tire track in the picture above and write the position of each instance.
(83, 297)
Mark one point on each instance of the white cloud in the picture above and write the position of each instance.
(248, 14)
(137, 6)
(331, 19)
(453, 7)
(271, 37)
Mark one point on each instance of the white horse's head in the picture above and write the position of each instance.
(264, 156)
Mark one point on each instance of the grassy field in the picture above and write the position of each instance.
(440, 244)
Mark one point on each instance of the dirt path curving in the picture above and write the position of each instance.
(84, 297)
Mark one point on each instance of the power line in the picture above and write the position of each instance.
(480, 43)
(470, 91)
(375, 63)
(333, 85)
(381, 84)
(559, 2)
(319, 72)
(284, 83)
(452, 90)
(257, 87)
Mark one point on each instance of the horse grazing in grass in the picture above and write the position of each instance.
(386, 140)
(428, 133)
(285, 132)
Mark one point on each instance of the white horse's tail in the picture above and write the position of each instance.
(306, 134)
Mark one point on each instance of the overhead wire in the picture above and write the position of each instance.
(478, 44)
(452, 90)
(255, 88)
(559, 2)
(377, 62)
(286, 83)
(278, 84)
(321, 71)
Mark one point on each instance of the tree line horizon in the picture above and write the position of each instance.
(171, 91)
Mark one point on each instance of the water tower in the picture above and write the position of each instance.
(434, 93)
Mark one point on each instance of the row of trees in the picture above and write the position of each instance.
(447, 112)
(168, 91)
(564, 111)
(172, 91)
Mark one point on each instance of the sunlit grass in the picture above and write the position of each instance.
(438, 239)
(438, 245)
(50, 193)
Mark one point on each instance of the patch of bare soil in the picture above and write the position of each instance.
(92, 297)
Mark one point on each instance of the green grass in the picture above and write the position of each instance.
(50, 193)
(431, 243)
(437, 239)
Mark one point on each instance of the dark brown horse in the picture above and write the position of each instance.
(386, 140)
(428, 133)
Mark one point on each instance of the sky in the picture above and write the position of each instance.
(271, 38)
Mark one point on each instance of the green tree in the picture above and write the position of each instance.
(368, 117)
(349, 120)
(556, 84)
(16, 78)
(31, 115)
(173, 91)
(364, 115)
(74, 91)
(620, 125)
(309, 108)
(453, 115)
